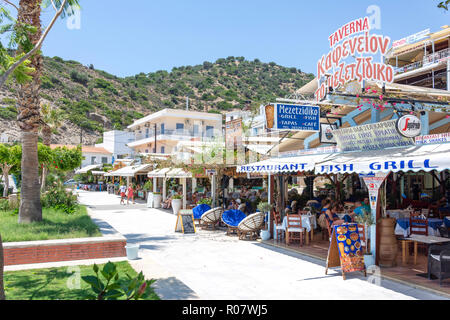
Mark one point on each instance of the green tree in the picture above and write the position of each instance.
(9, 160)
(444, 4)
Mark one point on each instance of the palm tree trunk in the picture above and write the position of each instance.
(2, 263)
(6, 182)
(29, 120)
(47, 139)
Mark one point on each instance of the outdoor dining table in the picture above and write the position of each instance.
(402, 227)
(416, 238)
(309, 222)
(399, 214)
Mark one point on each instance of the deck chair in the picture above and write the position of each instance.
(232, 218)
(211, 217)
(250, 226)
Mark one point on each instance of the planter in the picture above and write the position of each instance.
(132, 251)
(369, 260)
(265, 235)
(156, 201)
(388, 243)
(176, 205)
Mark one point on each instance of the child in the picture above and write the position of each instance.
(122, 190)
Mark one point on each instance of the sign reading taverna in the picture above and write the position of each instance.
(293, 117)
(373, 136)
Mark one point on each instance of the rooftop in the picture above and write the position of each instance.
(84, 149)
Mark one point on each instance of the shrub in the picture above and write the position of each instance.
(79, 77)
(207, 201)
(59, 198)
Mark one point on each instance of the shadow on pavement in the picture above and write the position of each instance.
(173, 289)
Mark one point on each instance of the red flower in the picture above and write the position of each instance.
(56, 167)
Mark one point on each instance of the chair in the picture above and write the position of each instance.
(425, 212)
(199, 210)
(294, 229)
(211, 217)
(232, 218)
(439, 261)
(418, 226)
(277, 225)
(251, 225)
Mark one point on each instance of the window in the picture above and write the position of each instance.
(104, 159)
(163, 149)
(147, 131)
(93, 160)
(180, 128)
(209, 131)
(162, 128)
(146, 150)
(196, 127)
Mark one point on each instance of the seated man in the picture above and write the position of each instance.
(167, 204)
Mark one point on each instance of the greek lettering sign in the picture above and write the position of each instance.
(373, 136)
(409, 126)
(293, 117)
(353, 40)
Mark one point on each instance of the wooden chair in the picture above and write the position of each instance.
(278, 226)
(210, 218)
(419, 227)
(294, 229)
(251, 226)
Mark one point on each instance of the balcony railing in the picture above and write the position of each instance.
(427, 60)
(177, 134)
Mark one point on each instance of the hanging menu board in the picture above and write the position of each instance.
(346, 249)
(185, 222)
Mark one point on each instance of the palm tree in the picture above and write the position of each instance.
(52, 119)
(29, 118)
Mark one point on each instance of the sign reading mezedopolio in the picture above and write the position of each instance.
(345, 249)
(292, 117)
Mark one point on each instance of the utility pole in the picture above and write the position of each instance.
(155, 139)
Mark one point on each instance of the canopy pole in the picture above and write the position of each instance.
(183, 181)
(269, 200)
(164, 193)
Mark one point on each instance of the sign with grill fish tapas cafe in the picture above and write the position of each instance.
(292, 117)
(353, 42)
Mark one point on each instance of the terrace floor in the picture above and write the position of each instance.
(406, 273)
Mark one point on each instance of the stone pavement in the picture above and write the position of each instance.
(210, 265)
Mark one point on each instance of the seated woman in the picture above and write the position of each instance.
(332, 217)
(167, 204)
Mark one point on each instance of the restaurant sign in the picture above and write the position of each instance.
(292, 117)
(351, 57)
(409, 126)
(374, 136)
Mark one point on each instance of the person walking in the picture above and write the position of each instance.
(130, 194)
(122, 190)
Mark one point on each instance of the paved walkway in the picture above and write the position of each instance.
(210, 265)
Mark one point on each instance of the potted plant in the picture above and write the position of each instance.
(176, 203)
(264, 207)
(367, 221)
(157, 199)
(207, 201)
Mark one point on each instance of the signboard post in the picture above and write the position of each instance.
(346, 250)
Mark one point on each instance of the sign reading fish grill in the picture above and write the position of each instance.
(292, 117)
(353, 40)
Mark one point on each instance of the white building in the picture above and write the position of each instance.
(161, 131)
(116, 142)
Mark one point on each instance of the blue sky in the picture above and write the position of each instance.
(128, 37)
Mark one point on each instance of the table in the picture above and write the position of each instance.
(402, 227)
(399, 214)
(419, 239)
(308, 222)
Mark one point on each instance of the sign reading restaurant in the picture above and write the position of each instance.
(292, 117)
(353, 40)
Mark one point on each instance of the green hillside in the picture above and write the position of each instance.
(98, 101)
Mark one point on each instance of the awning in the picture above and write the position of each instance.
(158, 173)
(130, 171)
(98, 173)
(286, 164)
(169, 173)
(414, 158)
(88, 168)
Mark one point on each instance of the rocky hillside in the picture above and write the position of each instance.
(95, 101)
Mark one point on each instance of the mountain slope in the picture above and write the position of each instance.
(95, 101)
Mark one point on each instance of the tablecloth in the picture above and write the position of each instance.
(307, 222)
(402, 227)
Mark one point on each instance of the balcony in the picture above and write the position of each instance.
(428, 60)
(177, 135)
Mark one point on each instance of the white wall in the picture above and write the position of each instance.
(98, 158)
